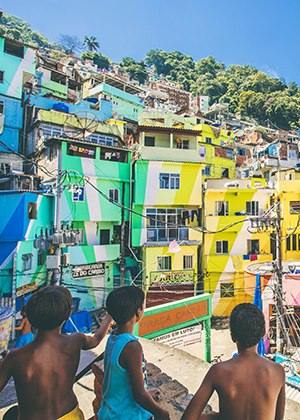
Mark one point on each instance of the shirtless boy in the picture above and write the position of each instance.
(44, 371)
(249, 387)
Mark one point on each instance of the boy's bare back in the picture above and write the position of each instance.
(249, 388)
(44, 374)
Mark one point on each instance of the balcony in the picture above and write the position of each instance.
(167, 234)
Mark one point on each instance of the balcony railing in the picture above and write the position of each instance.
(167, 234)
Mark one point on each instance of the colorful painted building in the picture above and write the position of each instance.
(231, 243)
(216, 151)
(26, 225)
(95, 187)
(17, 65)
(167, 209)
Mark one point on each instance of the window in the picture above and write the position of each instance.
(1, 76)
(208, 140)
(227, 290)
(221, 247)
(114, 195)
(206, 171)
(221, 208)
(58, 78)
(164, 263)
(294, 207)
(27, 261)
(182, 144)
(291, 243)
(104, 236)
(187, 262)
(169, 181)
(225, 173)
(165, 225)
(252, 208)
(294, 242)
(1, 107)
(13, 48)
(32, 211)
(253, 246)
(149, 141)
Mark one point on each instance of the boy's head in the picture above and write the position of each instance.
(247, 325)
(49, 307)
(124, 303)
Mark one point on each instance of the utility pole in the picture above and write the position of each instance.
(57, 273)
(278, 273)
(122, 239)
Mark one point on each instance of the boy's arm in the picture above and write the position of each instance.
(132, 359)
(21, 326)
(280, 406)
(201, 398)
(91, 341)
(5, 371)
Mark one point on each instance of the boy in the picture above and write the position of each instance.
(26, 336)
(124, 394)
(44, 370)
(249, 386)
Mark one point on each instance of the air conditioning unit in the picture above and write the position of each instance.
(52, 262)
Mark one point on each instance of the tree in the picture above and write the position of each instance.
(209, 65)
(91, 43)
(70, 43)
(137, 70)
(101, 61)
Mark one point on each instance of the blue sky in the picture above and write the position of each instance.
(264, 33)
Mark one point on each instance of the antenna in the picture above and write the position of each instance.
(80, 125)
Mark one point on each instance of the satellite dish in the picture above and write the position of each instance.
(81, 125)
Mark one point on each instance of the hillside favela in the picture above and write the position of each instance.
(149, 231)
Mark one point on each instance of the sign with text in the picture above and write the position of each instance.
(78, 194)
(182, 276)
(181, 338)
(163, 319)
(81, 151)
(88, 270)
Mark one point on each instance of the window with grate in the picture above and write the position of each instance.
(221, 247)
(187, 262)
(149, 141)
(221, 208)
(252, 208)
(114, 195)
(164, 263)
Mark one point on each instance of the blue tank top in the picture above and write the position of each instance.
(117, 401)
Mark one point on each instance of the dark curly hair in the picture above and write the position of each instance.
(122, 303)
(247, 325)
(49, 307)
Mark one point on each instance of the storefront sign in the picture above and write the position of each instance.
(89, 270)
(81, 151)
(182, 338)
(184, 276)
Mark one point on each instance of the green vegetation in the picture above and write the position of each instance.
(248, 91)
(101, 61)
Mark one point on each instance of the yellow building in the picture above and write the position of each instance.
(288, 192)
(231, 244)
(216, 151)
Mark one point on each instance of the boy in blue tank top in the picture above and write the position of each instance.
(124, 393)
